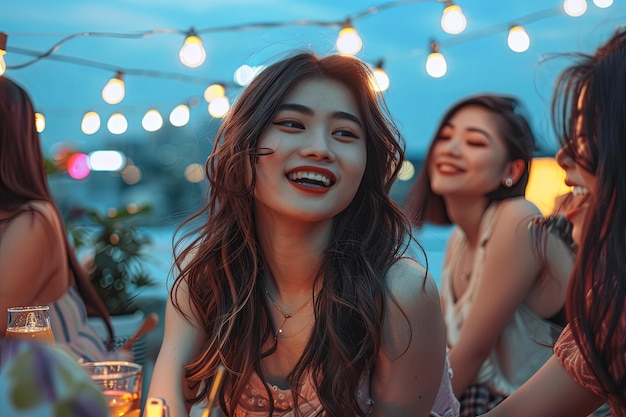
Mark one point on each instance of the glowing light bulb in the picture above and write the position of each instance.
(3, 51)
(245, 74)
(381, 80)
(436, 65)
(3, 65)
(180, 115)
(518, 39)
(453, 20)
(113, 92)
(219, 107)
(603, 4)
(407, 171)
(349, 42)
(575, 8)
(152, 121)
(192, 53)
(117, 124)
(90, 123)
(214, 91)
(40, 122)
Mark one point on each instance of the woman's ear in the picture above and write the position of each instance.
(514, 170)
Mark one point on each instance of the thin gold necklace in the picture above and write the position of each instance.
(286, 316)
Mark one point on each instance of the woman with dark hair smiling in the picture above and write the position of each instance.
(589, 362)
(298, 283)
(501, 305)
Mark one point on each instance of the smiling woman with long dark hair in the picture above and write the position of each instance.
(298, 283)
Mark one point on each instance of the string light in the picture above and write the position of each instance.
(219, 106)
(348, 41)
(180, 115)
(90, 123)
(603, 4)
(192, 54)
(40, 122)
(3, 51)
(114, 91)
(214, 91)
(575, 8)
(436, 65)
(245, 73)
(117, 124)
(518, 40)
(453, 20)
(381, 79)
(152, 121)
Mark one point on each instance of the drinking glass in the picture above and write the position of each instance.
(121, 385)
(30, 323)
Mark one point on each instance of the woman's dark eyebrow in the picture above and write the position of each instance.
(309, 112)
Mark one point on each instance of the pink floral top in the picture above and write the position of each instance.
(254, 401)
(567, 352)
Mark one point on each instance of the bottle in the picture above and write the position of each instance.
(156, 407)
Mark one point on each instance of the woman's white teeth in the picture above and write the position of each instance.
(578, 190)
(310, 176)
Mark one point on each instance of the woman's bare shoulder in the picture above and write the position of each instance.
(408, 279)
(33, 217)
(518, 207)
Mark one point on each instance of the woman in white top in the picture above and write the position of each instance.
(496, 294)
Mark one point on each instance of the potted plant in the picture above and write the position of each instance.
(116, 253)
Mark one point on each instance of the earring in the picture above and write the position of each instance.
(508, 182)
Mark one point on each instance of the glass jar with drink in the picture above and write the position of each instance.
(121, 385)
(30, 323)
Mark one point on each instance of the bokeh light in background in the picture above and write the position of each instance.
(180, 115)
(194, 173)
(381, 80)
(114, 90)
(245, 73)
(575, 8)
(78, 166)
(407, 172)
(90, 123)
(117, 124)
(214, 91)
(436, 65)
(349, 42)
(518, 40)
(545, 183)
(106, 161)
(131, 174)
(40, 122)
(152, 121)
(218, 107)
(453, 20)
(167, 154)
(603, 4)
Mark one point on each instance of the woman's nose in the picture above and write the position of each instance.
(563, 158)
(451, 146)
(318, 146)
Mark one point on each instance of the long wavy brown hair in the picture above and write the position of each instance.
(222, 264)
(597, 290)
(23, 178)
